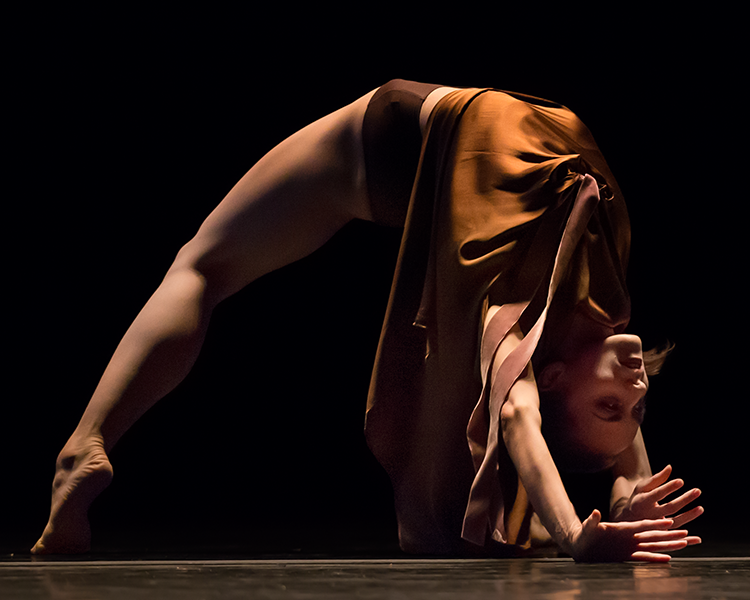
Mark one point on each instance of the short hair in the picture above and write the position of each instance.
(653, 360)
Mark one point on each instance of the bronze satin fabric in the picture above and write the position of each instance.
(498, 178)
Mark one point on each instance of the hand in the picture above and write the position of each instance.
(645, 540)
(644, 502)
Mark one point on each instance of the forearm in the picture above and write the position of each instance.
(631, 468)
(155, 354)
(521, 424)
(539, 475)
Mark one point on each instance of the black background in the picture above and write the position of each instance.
(125, 130)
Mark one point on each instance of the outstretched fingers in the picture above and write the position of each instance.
(655, 481)
(662, 491)
(665, 541)
(653, 545)
(659, 535)
(646, 540)
(674, 506)
(664, 547)
(650, 557)
(643, 526)
(658, 487)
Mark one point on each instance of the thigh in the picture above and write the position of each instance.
(286, 206)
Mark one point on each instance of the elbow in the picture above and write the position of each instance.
(519, 413)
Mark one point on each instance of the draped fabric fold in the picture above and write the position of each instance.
(485, 506)
(502, 180)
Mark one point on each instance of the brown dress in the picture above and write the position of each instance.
(498, 178)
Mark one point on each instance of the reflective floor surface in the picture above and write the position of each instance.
(553, 579)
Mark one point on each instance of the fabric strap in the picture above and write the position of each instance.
(486, 505)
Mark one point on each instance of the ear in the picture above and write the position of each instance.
(551, 376)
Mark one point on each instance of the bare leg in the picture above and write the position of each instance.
(284, 208)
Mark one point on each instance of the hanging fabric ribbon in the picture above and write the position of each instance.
(486, 505)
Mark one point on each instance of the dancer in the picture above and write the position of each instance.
(508, 305)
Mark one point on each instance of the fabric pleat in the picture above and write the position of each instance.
(485, 506)
(503, 212)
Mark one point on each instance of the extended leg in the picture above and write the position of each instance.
(292, 201)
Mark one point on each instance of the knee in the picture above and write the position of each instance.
(196, 262)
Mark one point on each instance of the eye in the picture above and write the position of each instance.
(609, 409)
(609, 404)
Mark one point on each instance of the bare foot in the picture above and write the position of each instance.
(83, 471)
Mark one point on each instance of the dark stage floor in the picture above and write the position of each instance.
(24, 578)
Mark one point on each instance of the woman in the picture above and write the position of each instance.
(506, 206)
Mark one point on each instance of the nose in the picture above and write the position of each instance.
(628, 350)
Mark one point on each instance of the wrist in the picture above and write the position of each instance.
(617, 509)
(569, 541)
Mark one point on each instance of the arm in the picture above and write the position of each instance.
(591, 540)
(631, 468)
(521, 429)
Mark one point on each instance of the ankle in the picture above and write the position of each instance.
(80, 447)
